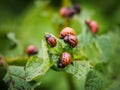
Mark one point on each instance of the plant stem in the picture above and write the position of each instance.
(70, 82)
(19, 61)
(66, 2)
(5, 64)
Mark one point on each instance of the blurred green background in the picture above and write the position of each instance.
(28, 20)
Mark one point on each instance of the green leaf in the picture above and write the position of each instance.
(79, 54)
(115, 85)
(87, 47)
(94, 81)
(12, 37)
(115, 50)
(104, 46)
(92, 54)
(16, 79)
(17, 71)
(83, 49)
(79, 69)
(86, 38)
(103, 69)
(3, 71)
(94, 48)
(10, 46)
(37, 67)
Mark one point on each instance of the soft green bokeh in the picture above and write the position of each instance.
(30, 19)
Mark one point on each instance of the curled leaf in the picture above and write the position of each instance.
(37, 67)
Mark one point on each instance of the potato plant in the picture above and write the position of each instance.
(59, 47)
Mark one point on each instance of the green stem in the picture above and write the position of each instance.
(66, 2)
(70, 82)
(5, 64)
(19, 61)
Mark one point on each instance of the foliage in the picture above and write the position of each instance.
(95, 60)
